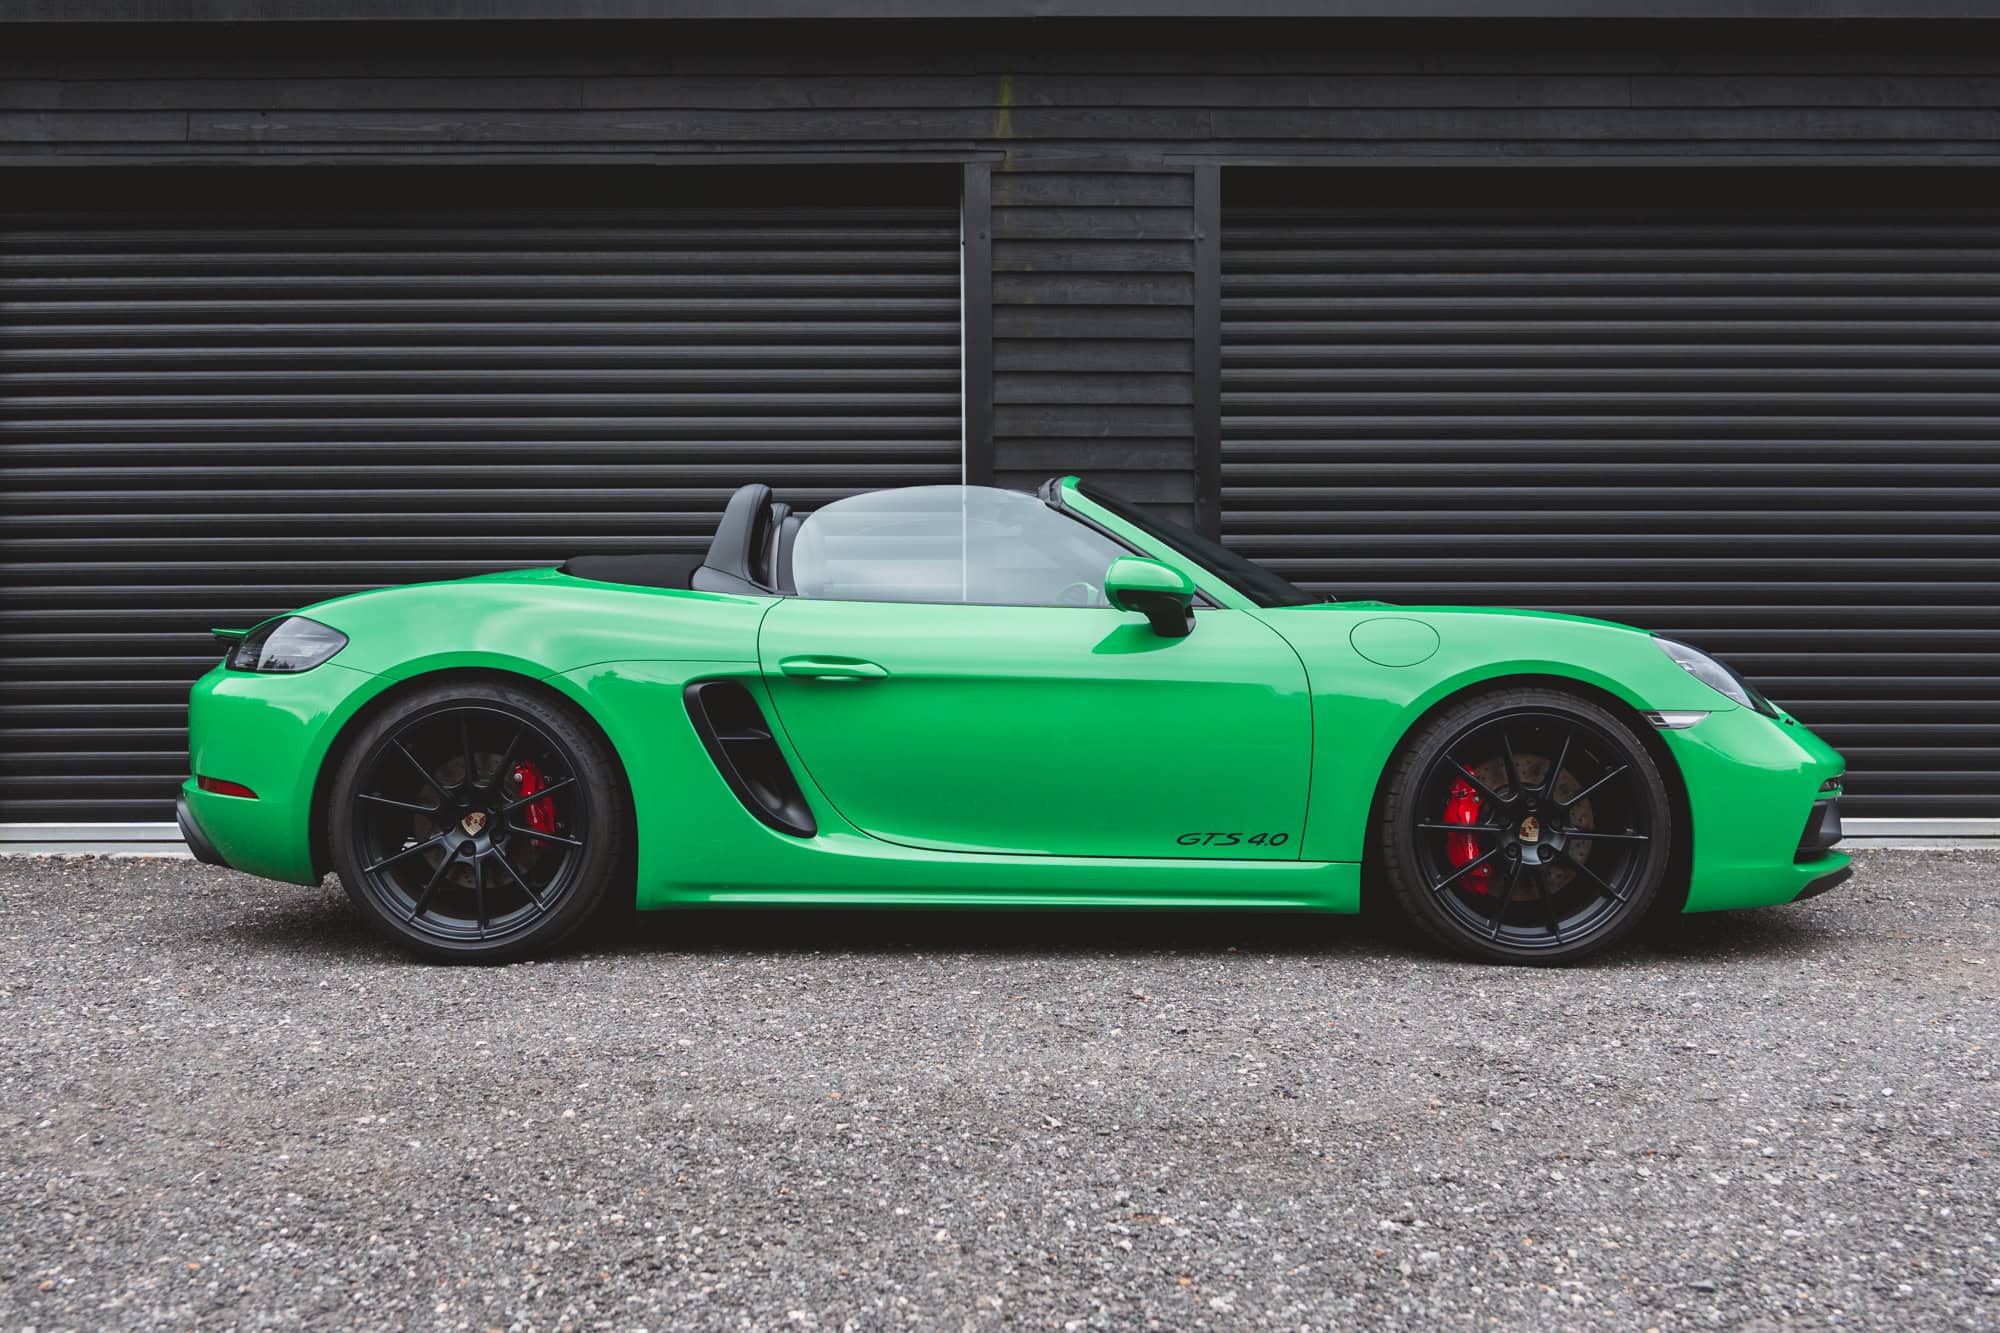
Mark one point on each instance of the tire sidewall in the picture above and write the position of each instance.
(603, 816)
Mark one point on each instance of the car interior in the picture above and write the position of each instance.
(750, 552)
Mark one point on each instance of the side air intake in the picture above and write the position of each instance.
(732, 726)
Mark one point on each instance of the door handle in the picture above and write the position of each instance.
(832, 668)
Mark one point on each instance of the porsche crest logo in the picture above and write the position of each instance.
(1531, 829)
(473, 822)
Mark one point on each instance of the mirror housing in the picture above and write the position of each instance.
(1158, 591)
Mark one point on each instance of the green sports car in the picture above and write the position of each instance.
(965, 696)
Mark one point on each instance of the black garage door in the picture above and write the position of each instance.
(224, 396)
(1741, 408)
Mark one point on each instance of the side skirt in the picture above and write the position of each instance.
(847, 870)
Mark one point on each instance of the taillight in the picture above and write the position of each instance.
(287, 644)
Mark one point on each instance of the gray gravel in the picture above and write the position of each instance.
(222, 1103)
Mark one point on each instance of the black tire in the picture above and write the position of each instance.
(440, 838)
(1525, 826)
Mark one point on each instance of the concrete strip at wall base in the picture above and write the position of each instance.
(165, 839)
(91, 840)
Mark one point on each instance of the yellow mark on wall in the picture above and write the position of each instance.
(1003, 118)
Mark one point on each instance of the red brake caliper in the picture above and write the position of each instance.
(1463, 848)
(542, 813)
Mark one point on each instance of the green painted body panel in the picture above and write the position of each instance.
(1056, 731)
(697, 844)
(1394, 641)
(992, 756)
(537, 622)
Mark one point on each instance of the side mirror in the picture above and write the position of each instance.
(1161, 593)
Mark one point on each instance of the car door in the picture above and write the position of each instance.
(1066, 729)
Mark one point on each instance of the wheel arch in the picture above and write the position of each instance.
(1673, 891)
(549, 689)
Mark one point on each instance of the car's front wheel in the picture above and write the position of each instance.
(476, 821)
(1525, 826)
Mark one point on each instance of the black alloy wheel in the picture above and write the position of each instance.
(476, 822)
(1529, 826)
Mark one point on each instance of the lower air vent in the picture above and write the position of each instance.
(738, 738)
(1822, 831)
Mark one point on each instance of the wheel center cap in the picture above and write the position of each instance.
(1530, 830)
(473, 823)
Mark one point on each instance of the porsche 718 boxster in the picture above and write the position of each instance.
(972, 697)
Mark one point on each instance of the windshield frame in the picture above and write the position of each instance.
(1245, 577)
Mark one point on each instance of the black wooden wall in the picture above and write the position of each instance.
(1096, 136)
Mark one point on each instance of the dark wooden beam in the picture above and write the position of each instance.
(367, 11)
(976, 319)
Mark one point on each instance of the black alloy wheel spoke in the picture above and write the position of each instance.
(506, 760)
(1460, 828)
(444, 866)
(500, 855)
(1507, 758)
(1504, 897)
(1555, 769)
(400, 804)
(1592, 835)
(1545, 891)
(1596, 878)
(471, 778)
(510, 806)
(1473, 778)
(479, 892)
(418, 764)
(410, 850)
(545, 837)
(1593, 786)
(1469, 866)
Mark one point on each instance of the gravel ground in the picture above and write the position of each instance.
(223, 1104)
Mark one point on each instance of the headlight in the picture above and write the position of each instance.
(1716, 676)
(292, 643)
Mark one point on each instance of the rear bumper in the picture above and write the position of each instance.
(191, 834)
(270, 734)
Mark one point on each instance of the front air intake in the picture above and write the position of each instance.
(732, 726)
(1822, 831)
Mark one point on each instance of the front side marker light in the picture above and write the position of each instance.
(1674, 721)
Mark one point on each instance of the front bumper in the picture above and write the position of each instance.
(1824, 883)
(1753, 782)
(1822, 829)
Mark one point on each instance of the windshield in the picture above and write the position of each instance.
(1254, 581)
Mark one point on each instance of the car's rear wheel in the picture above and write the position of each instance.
(1525, 826)
(476, 822)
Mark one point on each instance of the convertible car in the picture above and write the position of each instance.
(964, 696)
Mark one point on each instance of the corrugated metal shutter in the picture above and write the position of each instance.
(1731, 407)
(212, 415)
